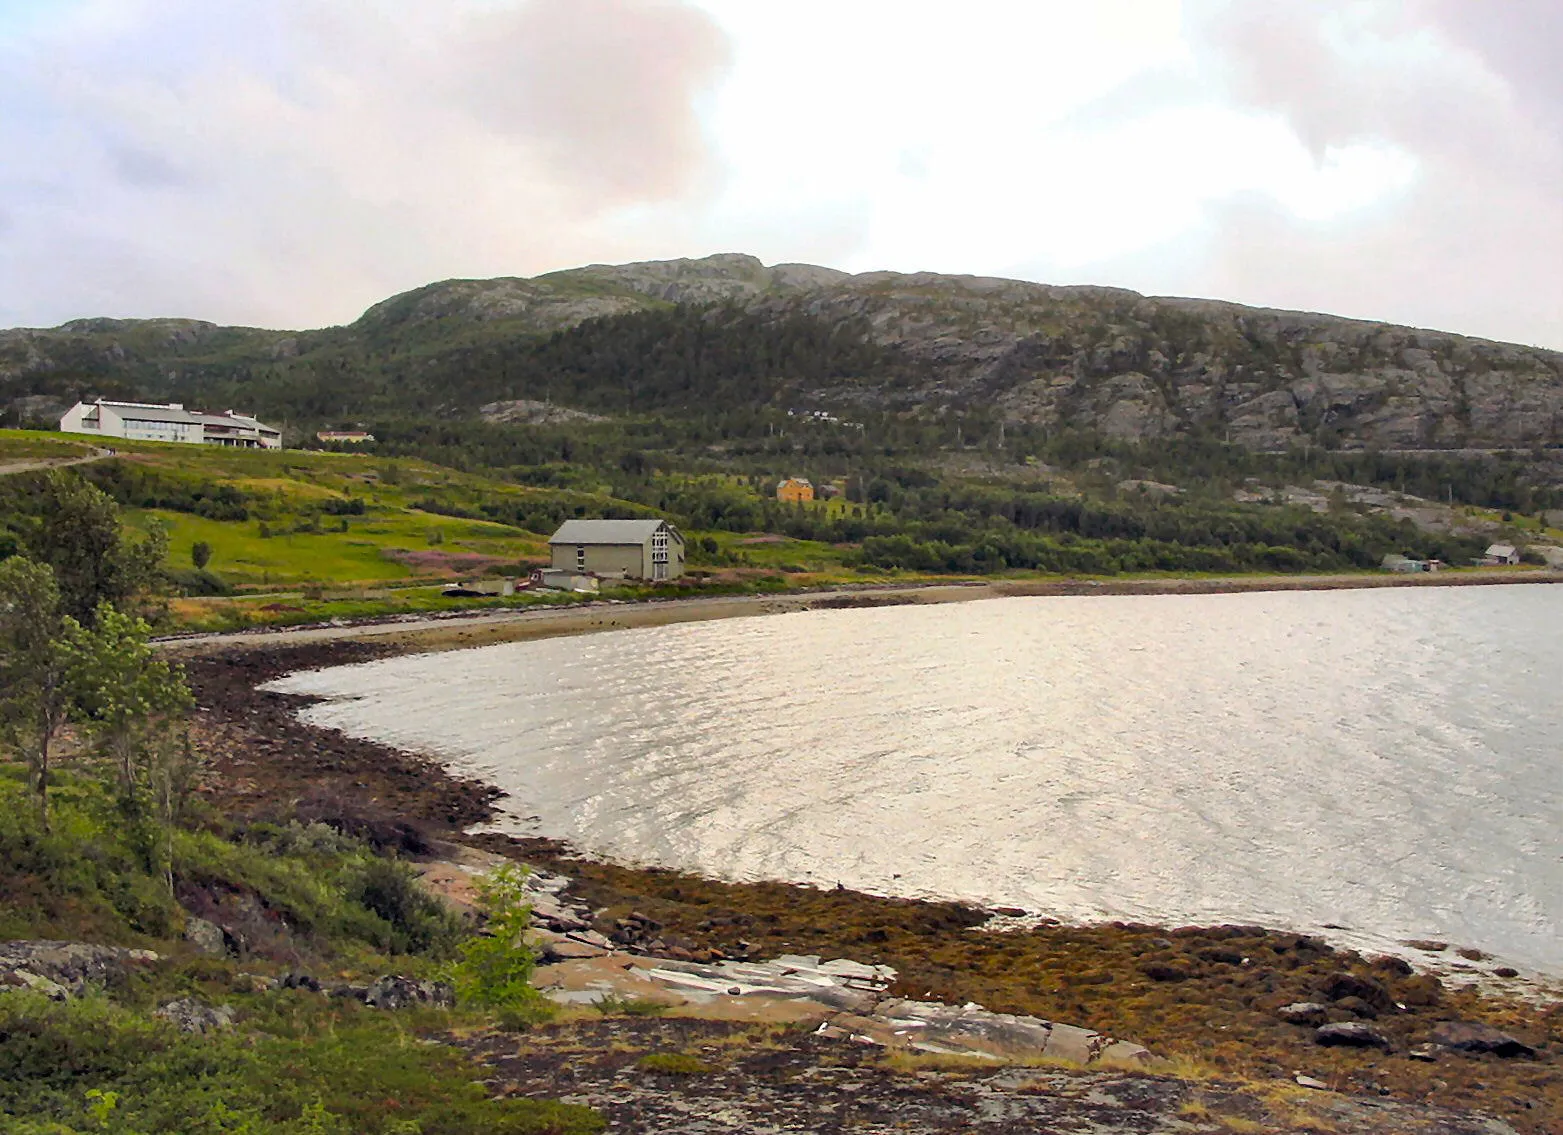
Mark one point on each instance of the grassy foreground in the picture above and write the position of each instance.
(296, 1062)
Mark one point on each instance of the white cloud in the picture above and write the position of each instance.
(289, 162)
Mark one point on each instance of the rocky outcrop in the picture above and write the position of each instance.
(62, 969)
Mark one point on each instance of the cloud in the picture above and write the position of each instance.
(287, 162)
(1476, 243)
(603, 88)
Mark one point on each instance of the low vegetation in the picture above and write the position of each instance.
(106, 838)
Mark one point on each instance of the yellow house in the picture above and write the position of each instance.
(795, 489)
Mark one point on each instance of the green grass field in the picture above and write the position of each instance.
(385, 546)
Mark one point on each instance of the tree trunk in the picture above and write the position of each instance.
(45, 736)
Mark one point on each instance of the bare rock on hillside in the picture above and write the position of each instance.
(190, 1015)
(71, 966)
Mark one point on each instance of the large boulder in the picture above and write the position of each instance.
(207, 937)
(1474, 1039)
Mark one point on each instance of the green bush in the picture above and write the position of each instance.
(673, 1064)
(495, 969)
(420, 923)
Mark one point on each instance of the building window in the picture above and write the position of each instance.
(580, 558)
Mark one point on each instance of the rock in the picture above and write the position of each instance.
(72, 966)
(1351, 1034)
(22, 979)
(565, 949)
(1506, 972)
(1427, 1052)
(1157, 971)
(1473, 1039)
(206, 937)
(1308, 1013)
(1427, 946)
(253, 983)
(189, 1015)
(1388, 963)
(1339, 986)
(1357, 1007)
(297, 979)
(1009, 912)
(395, 992)
(1310, 1082)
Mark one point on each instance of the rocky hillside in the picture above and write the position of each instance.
(602, 338)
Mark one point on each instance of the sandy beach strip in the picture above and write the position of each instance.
(404, 634)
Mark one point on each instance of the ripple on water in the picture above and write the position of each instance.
(1386, 760)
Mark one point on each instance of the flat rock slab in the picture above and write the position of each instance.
(973, 1030)
(844, 997)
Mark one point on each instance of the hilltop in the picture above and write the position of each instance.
(728, 335)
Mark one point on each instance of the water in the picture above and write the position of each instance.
(1389, 761)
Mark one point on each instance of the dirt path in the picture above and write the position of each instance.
(11, 468)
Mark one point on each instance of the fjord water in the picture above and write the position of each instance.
(1387, 761)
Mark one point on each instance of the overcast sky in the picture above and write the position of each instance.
(289, 162)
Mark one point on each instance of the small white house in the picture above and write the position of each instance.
(1506, 555)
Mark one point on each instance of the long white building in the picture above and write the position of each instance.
(145, 421)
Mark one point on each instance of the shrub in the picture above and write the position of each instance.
(673, 1064)
(188, 581)
(420, 923)
(495, 969)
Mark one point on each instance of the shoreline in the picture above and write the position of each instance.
(1208, 995)
(405, 634)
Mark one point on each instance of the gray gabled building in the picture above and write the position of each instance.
(619, 549)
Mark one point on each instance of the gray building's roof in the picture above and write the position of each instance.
(144, 412)
(138, 412)
(232, 421)
(1501, 550)
(608, 531)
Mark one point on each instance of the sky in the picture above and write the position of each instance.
(287, 163)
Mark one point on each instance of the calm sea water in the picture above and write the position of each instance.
(1388, 761)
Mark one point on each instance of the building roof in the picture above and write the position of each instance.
(174, 412)
(608, 531)
(231, 420)
(1501, 550)
(797, 481)
(143, 412)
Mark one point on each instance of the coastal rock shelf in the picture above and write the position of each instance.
(846, 999)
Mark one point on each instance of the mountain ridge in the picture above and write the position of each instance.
(1066, 356)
